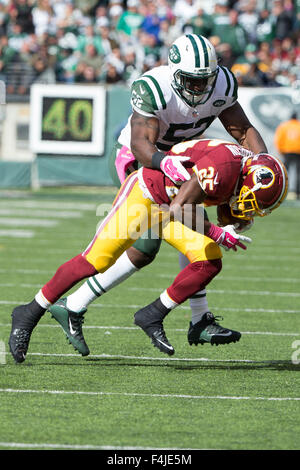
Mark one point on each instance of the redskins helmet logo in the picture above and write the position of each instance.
(264, 176)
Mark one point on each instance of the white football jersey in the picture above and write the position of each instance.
(153, 95)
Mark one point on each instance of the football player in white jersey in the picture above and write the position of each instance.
(170, 104)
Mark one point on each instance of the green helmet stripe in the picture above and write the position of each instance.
(206, 61)
(159, 90)
(196, 50)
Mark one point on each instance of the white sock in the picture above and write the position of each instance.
(199, 306)
(97, 285)
(198, 302)
(41, 300)
(167, 301)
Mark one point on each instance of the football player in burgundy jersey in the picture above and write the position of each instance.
(222, 173)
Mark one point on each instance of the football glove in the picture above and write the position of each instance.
(173, 168)
(227, 237)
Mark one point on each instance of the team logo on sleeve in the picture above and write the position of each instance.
(219, 103)
(174, 54)
(136, 99)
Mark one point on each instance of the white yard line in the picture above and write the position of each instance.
(160, 275)
(159, 359)
(26, 445)
(17, 234)
(27, 271)
(30, 204)
(125, 328)
(147, 395)
(41, 213)
(157, 289)
(226, 278)
(183, 307)
(175, 267)
(228, 291)
(17, 222)
(247, 258)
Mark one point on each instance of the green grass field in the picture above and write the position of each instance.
(126, 394)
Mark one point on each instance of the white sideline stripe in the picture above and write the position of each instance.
(147, 395)
(12, 222)
(42, 213)
(17, 234)
(223, 309)
(25, 445)
(157, 289)
(135, 328)
(48, 205)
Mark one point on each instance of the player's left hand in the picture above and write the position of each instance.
(231, 239)
(227, 237)
(173, 168)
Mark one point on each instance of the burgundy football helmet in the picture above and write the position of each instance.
(264, 187)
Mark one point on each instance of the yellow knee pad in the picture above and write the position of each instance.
(210, 250)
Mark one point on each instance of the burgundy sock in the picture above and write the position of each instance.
(193, 278)
(67, 275)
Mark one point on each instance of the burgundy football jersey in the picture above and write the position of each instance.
(216, 163)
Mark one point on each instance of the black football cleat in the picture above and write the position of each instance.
(207, 330)
(150, 319)
(20, 332)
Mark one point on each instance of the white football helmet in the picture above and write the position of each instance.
(194, 68)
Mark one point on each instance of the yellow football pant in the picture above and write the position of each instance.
(131, 215)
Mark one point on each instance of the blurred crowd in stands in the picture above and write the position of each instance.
(114, 41)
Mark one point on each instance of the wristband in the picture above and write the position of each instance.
(156, 160)
(215, 233)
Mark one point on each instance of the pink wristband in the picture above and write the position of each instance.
(215, 232)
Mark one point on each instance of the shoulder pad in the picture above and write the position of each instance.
(147, 94)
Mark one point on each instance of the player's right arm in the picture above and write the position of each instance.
(185, 205)
(144, 135)
(185, 208)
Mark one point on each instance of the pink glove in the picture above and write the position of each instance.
(173, 168)
(227, 237)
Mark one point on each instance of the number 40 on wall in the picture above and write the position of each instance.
(67, 119)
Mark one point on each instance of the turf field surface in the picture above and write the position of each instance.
(126, 394)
